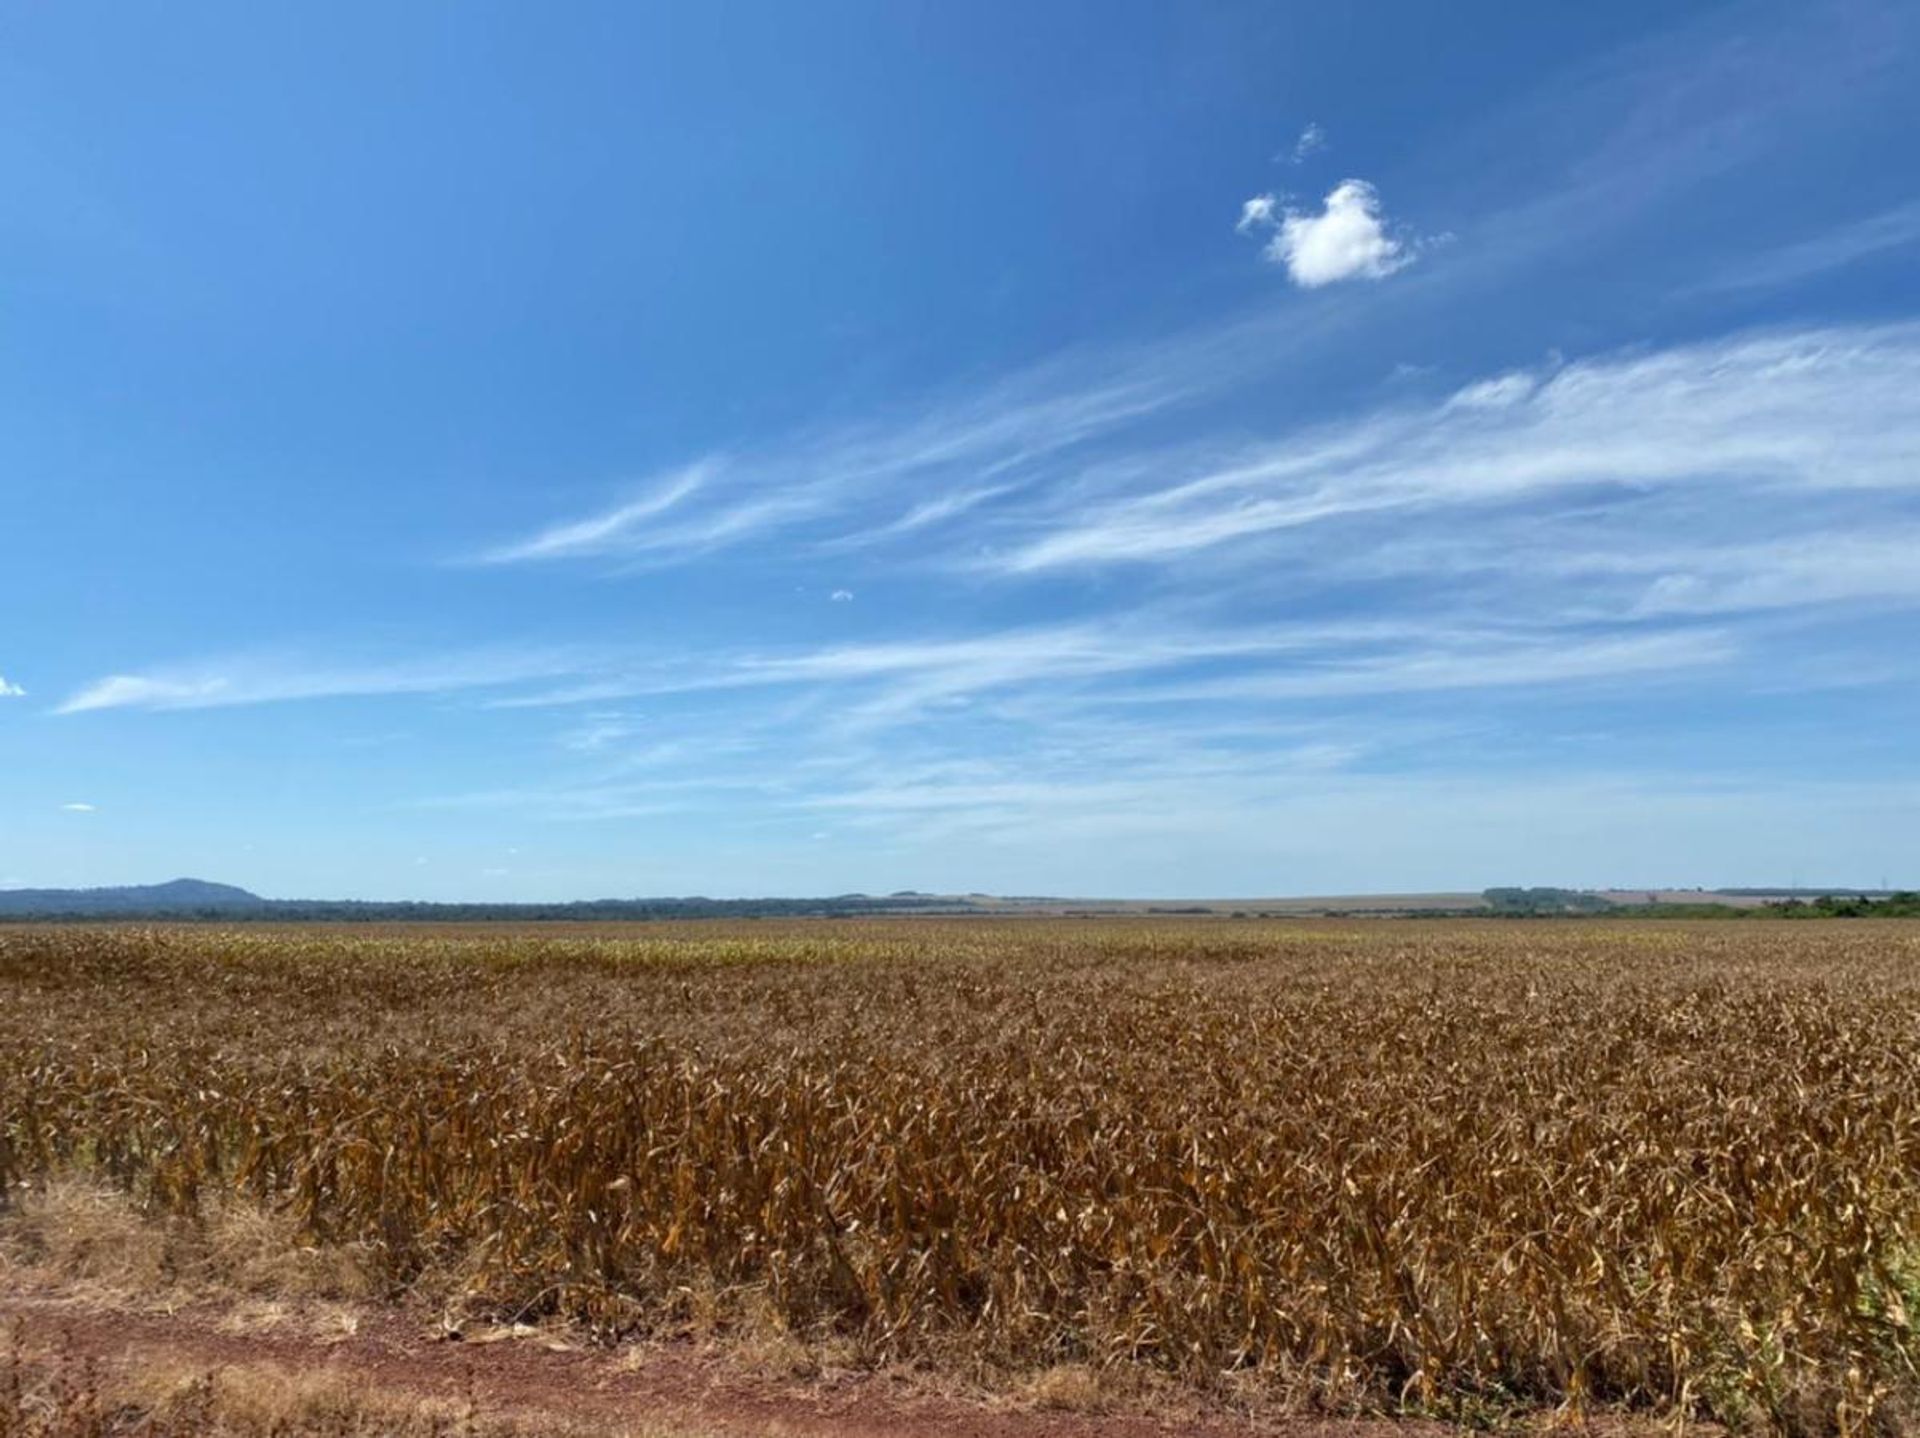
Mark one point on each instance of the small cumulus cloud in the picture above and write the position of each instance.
(1347, 239)
(79, 808)
(1256, 214)
(841, 596)
(10, 690)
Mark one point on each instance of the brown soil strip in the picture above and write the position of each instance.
(528, 1381)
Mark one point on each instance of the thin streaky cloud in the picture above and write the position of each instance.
(1843, 245)
(1785, 574)
(925, 515)
(1127, 643)
(894, 686)
(1483, 666)
(605, 531)
(1132, 642)
(255, 680)
(1801, 410)
(1705, 577)
(996, 431)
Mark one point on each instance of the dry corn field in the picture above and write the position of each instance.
(1448, 1167)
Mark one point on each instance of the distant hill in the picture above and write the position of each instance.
(226, 903)
(178, 896)
(199, 899)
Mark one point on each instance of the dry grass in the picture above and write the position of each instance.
(1463, 1168)
(1072, 1387)
(78, 1234)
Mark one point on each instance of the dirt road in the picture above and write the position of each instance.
(661, 1392)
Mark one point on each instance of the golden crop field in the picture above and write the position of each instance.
(1442, 1166)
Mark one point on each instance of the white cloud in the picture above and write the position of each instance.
(1492, 661)
(937, 510)
(78, 808)
(9, 690)
(841, 596)
(1313, 138)
(1140, 658)
(1845, 245)
(599, 731)
(612, 530)
(1792, 573)
(1256, 213)
(1495, 393)
(255, 680)
(1806, 412)
(134, 691)
(993, 433)
(1347, 240)
(948, 667)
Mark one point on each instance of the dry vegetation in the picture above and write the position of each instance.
(50, 1393)
(1465, 1168)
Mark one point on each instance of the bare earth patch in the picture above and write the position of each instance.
(386, 1372)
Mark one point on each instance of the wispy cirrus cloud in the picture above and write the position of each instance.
(607, 531)
(1767, 414)
(925, 515)
(1833, 249)
(988, 440)
(1743, 424)
(1760, 414)
(1796, 573)
(268, 679)
(1042, 679)
(929, 666)
(1492, 660)
(1311, 140)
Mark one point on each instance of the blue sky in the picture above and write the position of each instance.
(1128, 449)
